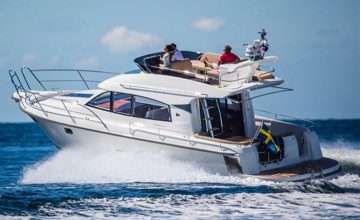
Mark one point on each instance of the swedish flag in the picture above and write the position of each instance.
(265, 136)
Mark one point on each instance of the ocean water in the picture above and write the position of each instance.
(39, 181)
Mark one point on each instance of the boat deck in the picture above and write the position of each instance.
(231, 140)
(300, 169)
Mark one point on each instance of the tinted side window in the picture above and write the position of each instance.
(102, 101)
(184, 107)
(122, 103)
(151, 109)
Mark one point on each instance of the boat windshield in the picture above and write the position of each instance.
(151, 63)
(153, 59)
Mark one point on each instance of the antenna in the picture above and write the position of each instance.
(262, 18)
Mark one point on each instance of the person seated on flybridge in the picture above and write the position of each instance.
(169, 57)
(226, 57)
(179, 55)
(172, 54)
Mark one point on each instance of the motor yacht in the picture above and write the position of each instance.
(188, 112)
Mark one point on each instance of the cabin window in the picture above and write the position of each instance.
(186, 108)
(122, 103)
(102, 101)
(150, 109)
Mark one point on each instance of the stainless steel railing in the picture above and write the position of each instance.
(306, 123)
(189, 75)
(31, 98)
(80, 72)
(160, 90)
(184, 136)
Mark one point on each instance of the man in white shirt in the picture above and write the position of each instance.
(178, 53)
(169, 56)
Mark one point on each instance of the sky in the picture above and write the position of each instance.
(317, 41)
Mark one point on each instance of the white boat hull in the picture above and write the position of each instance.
(210, 162)
(85, 138)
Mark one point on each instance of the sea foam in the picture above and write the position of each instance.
(78, 165)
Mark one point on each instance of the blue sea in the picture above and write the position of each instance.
(37, 180)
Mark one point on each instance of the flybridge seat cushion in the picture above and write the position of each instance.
(214, 58)
(199, 64)
(211, 57)
(262, 75)
(183, 65)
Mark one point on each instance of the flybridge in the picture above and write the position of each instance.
(215, 69)
(230, 75)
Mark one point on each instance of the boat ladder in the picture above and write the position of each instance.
(212, 113)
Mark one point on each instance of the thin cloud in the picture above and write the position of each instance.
(87, 63)
(3, 61)
(208, 24)
(54, 60)
(121, 39)
(29, 57)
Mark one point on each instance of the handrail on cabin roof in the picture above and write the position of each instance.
(77, 71)
(168, 91)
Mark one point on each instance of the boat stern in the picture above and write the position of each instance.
(300, 158)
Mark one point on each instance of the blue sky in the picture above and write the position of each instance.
(317, 41)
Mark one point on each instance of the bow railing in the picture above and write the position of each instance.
(79, 73)
(33, 98)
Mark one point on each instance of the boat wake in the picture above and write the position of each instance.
(76, 165)
(84, 166)
(152, 185)
(348, 154)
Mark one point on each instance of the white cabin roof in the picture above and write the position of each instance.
(168, 89)
(174, 90)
